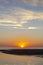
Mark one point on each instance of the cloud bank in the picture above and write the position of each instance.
(15, 16)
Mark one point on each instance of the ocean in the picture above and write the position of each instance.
(8, 59)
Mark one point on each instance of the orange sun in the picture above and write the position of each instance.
(22, 44)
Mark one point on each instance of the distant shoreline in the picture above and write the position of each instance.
(23, 51)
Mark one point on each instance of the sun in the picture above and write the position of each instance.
(22, 44)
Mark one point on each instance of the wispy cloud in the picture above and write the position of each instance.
(29, 2)
(20, 15)
(33, 2)
(29, 28)
(14, 25)
(33, 28)
(17, 17)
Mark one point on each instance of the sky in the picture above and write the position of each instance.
(21, 21)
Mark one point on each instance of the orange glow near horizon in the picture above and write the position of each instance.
(22, 45)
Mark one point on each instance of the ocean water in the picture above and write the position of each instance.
(7, 59)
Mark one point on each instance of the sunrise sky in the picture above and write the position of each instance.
(21, 21)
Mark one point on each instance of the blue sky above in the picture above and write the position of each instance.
(21, 15)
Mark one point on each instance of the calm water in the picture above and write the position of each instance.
(7, 59)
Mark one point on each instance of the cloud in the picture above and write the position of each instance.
(17, 17)
(28, 2)
(7, 21)
(17, 25)
(20, 15)
(33, 2)
(32, 28)
(4, 1)
(29, 28)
